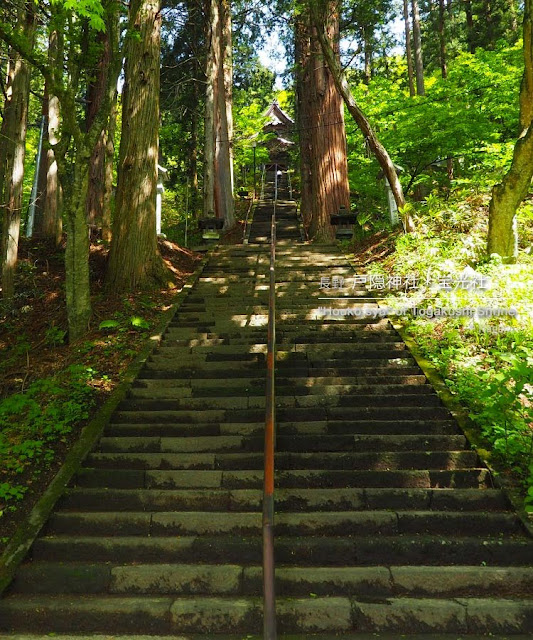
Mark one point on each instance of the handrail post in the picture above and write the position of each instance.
(269, 598)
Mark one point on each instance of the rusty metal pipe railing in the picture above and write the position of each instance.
(269, 597)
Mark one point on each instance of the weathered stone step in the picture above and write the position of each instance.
(330, 352)
(361, 523)
(214, 615)
(324, 443)
(340, 499)
(153, 390)
(377, 382)
(299, 341)
(366, 370)
(299, 362)
(308, 427)
(376, 379)
(192, 579)
(384, 461)
(163, 402)
(308, 551)
(294, 414)
(310, 478)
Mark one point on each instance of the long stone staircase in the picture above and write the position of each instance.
(387, 525)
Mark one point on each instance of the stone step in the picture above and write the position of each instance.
(361, 523)
(134, 402)
(436, 550)
(376, 381)
(332, 349)
(309, 478)
(198, 579)
(383, 461)
(214, 615)
(206, 579)
(421, 428)
(299, 342)
(149, 390)
(296, 500)
(364, 445)
(299, 362)
(292, 414)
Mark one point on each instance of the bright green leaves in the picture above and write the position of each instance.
(136, 322)
(33, 423)
(470, 116)
(90, 9)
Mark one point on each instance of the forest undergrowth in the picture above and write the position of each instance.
(50, 389)
(483, 347)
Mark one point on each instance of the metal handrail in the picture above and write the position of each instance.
(245, 232)
(262, 193)
(269, 598)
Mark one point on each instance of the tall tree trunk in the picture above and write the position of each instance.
(16, 113)
(52, 224)
(302, 56)
(5, 136)
(408, 53)
(211, 102)
(375, 145)
(223, 166)
(77, 247)
(507, 196)
(368, 35)
(43, 169)
(108, 175)
(95, 95)
(470, 36)
(417, 40)
(134, 260)
(227, 70)
(193, 159)
(328, 158)
(442, 39)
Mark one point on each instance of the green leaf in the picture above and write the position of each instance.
(109, 324)
(139, 323)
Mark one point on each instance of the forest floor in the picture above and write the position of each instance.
(64, 384)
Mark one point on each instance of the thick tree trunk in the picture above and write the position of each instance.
(303, 115)
(224, 204)
(218, 172)
(108, 175)
(227, 70)
(211, 102)
(408, 53)
(77, 248)
(52, 226)
(16, 114)
(328, 161)
(417, 40)
(376, 147)
(134, 260)
(193, 156)
(95, 96)
(507, 196)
